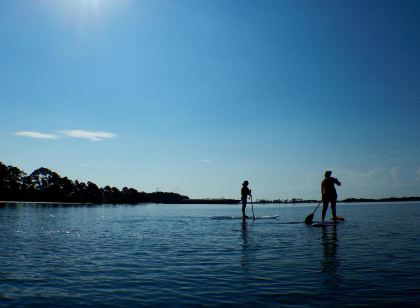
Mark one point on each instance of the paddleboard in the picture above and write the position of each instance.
(338, 218)
(324, 224)
(240, 217)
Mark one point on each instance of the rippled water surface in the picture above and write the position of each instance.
(174, 255)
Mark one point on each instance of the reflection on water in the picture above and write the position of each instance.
(245, 245)
(330, 262)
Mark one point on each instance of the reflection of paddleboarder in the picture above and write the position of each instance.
(329, 194)
(330, 262)
(245, 192)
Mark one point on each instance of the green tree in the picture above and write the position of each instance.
(11, 182)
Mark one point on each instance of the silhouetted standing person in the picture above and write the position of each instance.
(245, 192)
(329, 194)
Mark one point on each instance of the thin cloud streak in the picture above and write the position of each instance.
(90, 135)
(402, 151)
(396, 175)
(417, 174)
(36, 135)
(205, 160)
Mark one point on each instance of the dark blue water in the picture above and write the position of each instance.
(174, 255)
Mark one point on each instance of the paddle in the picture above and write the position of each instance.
(310, 217)
(252, 207)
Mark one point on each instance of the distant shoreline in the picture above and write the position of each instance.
(225, 201)
(45, 184)
(391, 199)
(347, 200)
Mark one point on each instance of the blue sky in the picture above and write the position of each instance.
(196, 96)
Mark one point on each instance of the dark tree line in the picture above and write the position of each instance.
(44, 185)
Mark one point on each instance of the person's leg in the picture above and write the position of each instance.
(333, 204)
(324, 208)
(243, 208)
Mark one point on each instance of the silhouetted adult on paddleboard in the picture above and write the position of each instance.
(245, 192)
(329, 194)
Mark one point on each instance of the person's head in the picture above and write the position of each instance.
(245, 183)
(328, 174)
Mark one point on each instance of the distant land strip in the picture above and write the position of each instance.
(46, 186)
(390, 199)
(347, 200)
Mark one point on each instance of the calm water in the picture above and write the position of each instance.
(150, 255)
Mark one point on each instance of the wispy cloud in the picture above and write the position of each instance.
(375, 177)
(90, 135)
(205, 160)
(210, 158)
(396, 175)
(402, 151)
(417, 173)
(76, 133)
(386, 154)
(36, 135)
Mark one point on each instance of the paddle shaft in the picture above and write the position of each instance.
(317, 207)
(252, 207)
(310, 217)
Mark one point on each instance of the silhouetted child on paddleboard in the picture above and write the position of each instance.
(245, 192)
(329, 194)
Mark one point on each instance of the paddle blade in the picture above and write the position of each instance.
(309, 219)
